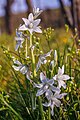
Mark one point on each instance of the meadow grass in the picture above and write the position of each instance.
(17, 96)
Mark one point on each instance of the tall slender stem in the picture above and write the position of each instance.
(41, 108)
(34, 75)
(26, 48)
(33, 58)
(49, 114)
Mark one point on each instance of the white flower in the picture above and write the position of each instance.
(24, 69)
(30, 24)
(36, 12)
(19, 40)
(53, 100)
(60, 77)
(42, 60)
(45, 85)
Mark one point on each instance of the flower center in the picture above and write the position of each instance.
(31, 25)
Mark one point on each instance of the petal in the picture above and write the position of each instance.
(56, 102)
(54, 89)
(41, 91)
(30, 30)
(65, 77)
(48, 94)
(36, 22)
(38, 65)
(60, 96)
(42, 77)
(23, 28)
(24, 69)
(28, 74)
(38, 85)
(38, 30)
(52, 108)
(26, 21)
(30, 17)
(17, 62)
(62, 83)
(47, 54)
(47, 104)
(55, 77)
(51, 82)
(17, 46)
(16, 68)
(60, 71)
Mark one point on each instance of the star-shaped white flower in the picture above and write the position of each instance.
(61, 77)
(24, 69)
(19, 40)
(30, 24)
(42, 59)
(45, 85)
(53, 100)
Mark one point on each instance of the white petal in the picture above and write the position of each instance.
(41, 91)
(47, 104)
(52, 108)
(23, 69)
(17, 46)
(23, 28)
(38, 85)
(48, 54)
(17, 62)
(60, 96)
(30, 30)
(42, 77)
(38, 30)
(60, 71)
(56, 102)
(54, 89)
(16, 68)
(30, 17)
(65, 77)
(62, 83)
(55, 77)
(36, 22)
(48, 94)
(38, 65)
(26, 21)
(51, 82)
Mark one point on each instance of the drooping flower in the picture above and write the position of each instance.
(53, 100)
(42, 59)
(36, 12)
(30, 24)
(24, 69)
(45, 85)
(19, 40)
(61, 77)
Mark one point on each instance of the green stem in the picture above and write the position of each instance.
(34, 75)
(49, 113)
(33, 58)
(26, 47)
(11, 109)
(41, 108)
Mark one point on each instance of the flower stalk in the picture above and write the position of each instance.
(49, 113)
(33, 58)
(26, 48)
(41, 108)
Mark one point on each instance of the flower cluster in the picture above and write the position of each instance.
(52, 93)
(47, 86)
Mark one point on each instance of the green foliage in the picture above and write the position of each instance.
(17, 96)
